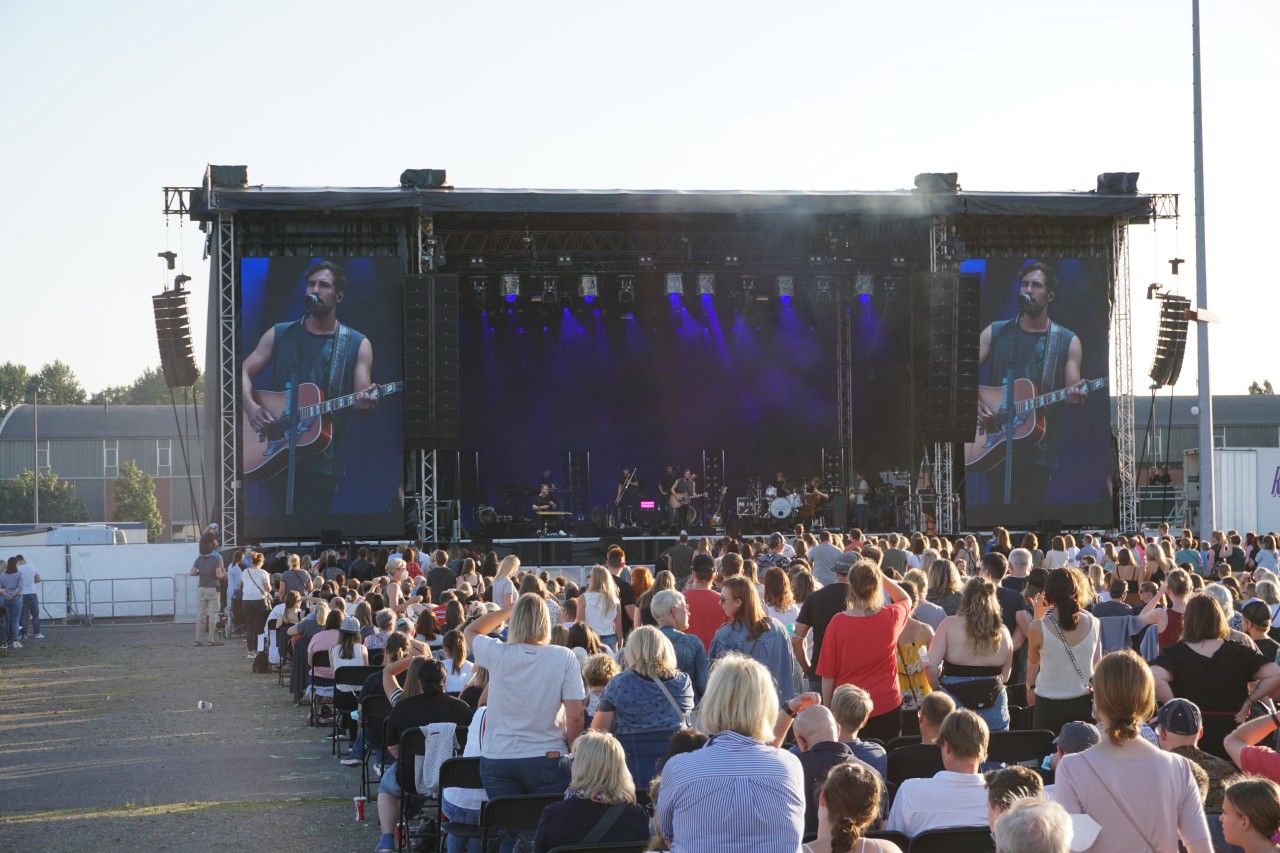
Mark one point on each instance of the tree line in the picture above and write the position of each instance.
(59, 386)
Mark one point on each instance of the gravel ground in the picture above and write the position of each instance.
(104, 748)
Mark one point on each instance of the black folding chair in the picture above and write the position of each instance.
(919, 761)
(412, 746)
(346, 701)
(617, 847)
(1017, 694)
(458, 773)
(517, 814)
(376, 656)
(373, 720)
(1017, 747)
(318, 660)
(902, 740)
(971, 840)
(1021, 719)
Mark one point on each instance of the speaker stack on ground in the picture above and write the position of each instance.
(954, 329)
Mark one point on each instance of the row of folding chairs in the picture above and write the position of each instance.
(959, 840)
(911, 759)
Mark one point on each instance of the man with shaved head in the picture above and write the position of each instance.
(819, 749)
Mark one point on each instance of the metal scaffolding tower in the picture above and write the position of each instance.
(1121, 319)
(941, 258)
(224, 272)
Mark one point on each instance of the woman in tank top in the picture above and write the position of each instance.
(1063, 645)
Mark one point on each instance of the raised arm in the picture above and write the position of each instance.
(486, 624)
(1152, 615)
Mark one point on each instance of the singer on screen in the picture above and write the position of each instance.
(332, 367)
(1045, 360)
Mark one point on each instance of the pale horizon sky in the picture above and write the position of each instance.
(108, 103)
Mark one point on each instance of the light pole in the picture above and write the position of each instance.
(1208, 517)
(35, 441)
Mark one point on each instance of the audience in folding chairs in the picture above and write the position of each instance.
(600, 803)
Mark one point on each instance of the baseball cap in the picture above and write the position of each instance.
(844, 563)
(213, 526)
(776, 539)
(701, 560)
(350, 625)
(401, 623)
(1180, 717)
(1077, 737)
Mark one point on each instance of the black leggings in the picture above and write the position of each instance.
(255, 616)
(883, 727)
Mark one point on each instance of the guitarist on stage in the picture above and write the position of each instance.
(336, 358)
(1044, 352)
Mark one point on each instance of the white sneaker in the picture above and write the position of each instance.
(17, 645)
(350, 762)
(39, 637)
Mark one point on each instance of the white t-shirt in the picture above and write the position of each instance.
(786, 617)
(1055, 559)
(503, 588)
(29, 585)
(454, 682)
(527, 686)
(253, 583)
(599, 613)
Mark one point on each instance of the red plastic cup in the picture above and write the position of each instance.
(360, 804)
(402, 832)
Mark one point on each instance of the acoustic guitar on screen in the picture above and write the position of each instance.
(987, 449)
(266, 453)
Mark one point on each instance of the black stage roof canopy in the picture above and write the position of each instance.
(907, 203)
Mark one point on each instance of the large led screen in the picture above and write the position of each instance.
(1044, 324)
(329, 328)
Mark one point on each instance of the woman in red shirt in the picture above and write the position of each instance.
(860, 647)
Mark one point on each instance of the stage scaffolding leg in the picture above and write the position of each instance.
(940, 260)
(426, 463)
(1121, 319)
(224, 267)
(844, 391)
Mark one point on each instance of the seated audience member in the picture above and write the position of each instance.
(646, 703)
(671, 613)
(421, 703)
(601, 791)
(535, 703)
(1142, 797)
(819, 749)
(934, 708)
(463, 805)
(1251, 814)
(711, 799)
(851, 706)
(1075, 737)
(956, 795)
(1008, 785)
(1180, 729)
(597, 672)
(397, 649)
(324, 641)
(848, 805)
(1033, 826)
(456, 666)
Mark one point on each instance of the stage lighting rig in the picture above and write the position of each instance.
(564, 261)
(675, 286)
(816, 260)
(750, 292)
(509, 287)
(626, 290)
(1174, 263)
(550, 290)
(588, 287)
(786, 287)
(863, 285)
(645, 262)
(706, 284)
(480, 291)
(825, 294)
(731, 260)
(476, 263)
(170, 257)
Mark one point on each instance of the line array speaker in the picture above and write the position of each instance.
(173, 331)
(952, 387)
(432, 381)
(1171, 340)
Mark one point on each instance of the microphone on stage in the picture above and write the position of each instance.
(1025, 301)
(311, 302)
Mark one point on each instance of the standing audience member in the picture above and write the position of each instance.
(602, 611)
(956, 795)
(671, 612)
(207, 567)
(601, 791)
(1063, 647)
(13, 590)
(1251, 814)
(705, 614)
(861, 646)
(1143, 798)
(816, 613)
(535, 703)
(440, 577)
(1168, 620)
(972, 655)
(255, 588)
(739, 791)
(848, 805)
(752, 633)
(31, 599)
(503, 586)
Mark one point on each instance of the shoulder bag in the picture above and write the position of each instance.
(684, 718)
(606, 822)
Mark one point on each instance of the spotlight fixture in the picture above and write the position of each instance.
(530, 245)
(476, 263)
(863, 285)
(898, 262)
(825, 295)
(706, 284)
(675, 286)
(588, 287)
(815, 260)
(170, 257)
(645, 262)
(550, 290)
(479, 287)
(509, 287)
(1152, 289)
(731, 260)
(786, 287)
(564, 260)
(750, 293)
(626, 290)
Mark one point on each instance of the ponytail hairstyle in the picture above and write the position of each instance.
(1179, 582)
(980, 610)
(1063, 594)
(851, 794)
(455, 646)
(1124, 693)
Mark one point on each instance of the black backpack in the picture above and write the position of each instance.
(260, 662)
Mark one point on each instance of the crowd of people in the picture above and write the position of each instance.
(752, 692)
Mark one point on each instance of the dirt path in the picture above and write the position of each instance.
(104, 748)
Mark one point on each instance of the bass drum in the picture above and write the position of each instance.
(780, 508)
(688, 516)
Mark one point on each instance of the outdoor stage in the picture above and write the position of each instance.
(738, 334)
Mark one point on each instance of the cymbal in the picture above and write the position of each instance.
(548, 512)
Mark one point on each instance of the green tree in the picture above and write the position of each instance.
(1264, 388)
(135, 500)
(14, 380)
(58, 386)
(58, 501)
(148, 389)
(115, 395)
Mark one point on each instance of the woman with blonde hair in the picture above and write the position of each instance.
(504, 586)
(860, 647)
(601, 790)
(972, 655)
(913, 643)
(647, 703)
(644, 602)
(749, 631)
(945, 587)
(600, 607)
(849, 805)
(803, 585)
(739, 792)
(1143, 797)
(927, 557)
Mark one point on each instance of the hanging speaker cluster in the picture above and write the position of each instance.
(1171, 340)
(173, 330)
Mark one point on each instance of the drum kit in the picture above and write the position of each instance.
(767, 503)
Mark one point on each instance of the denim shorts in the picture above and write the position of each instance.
(388, 785)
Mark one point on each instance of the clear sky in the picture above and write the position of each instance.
(105, 103)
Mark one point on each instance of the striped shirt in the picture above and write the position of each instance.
(732, 795)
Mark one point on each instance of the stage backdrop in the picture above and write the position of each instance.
(368, 500)
(1076, 447)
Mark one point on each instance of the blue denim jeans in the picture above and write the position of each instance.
(458, 814)
(643, 749)
(996, 717)
(504, 777)
(31, 605)
(13, 609)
